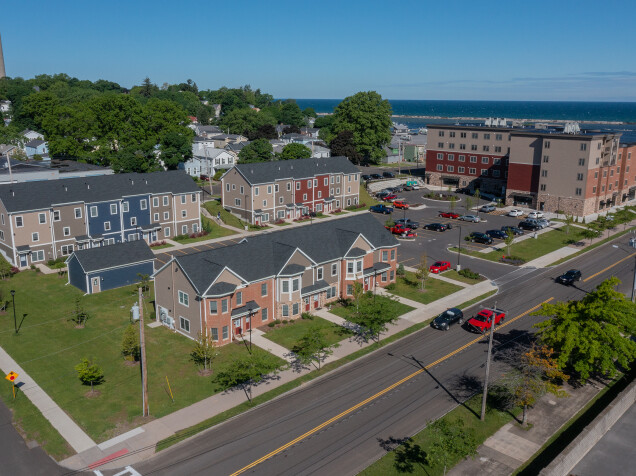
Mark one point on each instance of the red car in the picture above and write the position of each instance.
(401, 230)
(400, 204)
(481, 322)
(389, 198)
(452, 215)
(439, 266)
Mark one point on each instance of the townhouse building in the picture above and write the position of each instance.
(550, 168)
(225, 291)
(287, 189)
(55, 217)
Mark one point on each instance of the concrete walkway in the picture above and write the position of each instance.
(258, 339)
(65, 426)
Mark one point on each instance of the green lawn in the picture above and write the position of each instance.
(214, 231)
(288, 334)
(396, 308)
(160, 247)
(452, 274)
(214, 207)
(409, 288)
(468, 413)
(49, 346)
(365, 198)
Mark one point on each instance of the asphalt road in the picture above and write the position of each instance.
(337, 424)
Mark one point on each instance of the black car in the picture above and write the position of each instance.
(366, 178)
(448, 317)
(407, 222)
(513, 229)
(497, 234)
(569, 277)
(528, 225)
(487, 208)
(407, 188)
(376, 176)
(388, 174)
(435, 226)
(465, 191)
(479, 237)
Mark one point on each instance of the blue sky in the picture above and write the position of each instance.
(504, 50)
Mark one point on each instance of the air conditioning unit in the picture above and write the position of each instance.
(163, 316)
(170, 322)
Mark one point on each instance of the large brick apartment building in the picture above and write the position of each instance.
(578, 172)
(278, 275)
(286, 189)
(40, 221)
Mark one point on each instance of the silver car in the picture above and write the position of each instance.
(471, 218)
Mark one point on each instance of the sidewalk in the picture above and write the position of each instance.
(138, 444)
(513, 445)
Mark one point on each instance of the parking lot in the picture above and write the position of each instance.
(434, 243)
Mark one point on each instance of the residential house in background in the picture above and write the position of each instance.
(217, 110)
(224, 292)
(5, 106)
(8, 150)
(288, 189)
(36, 147)
(28, 134)
(59, 216)
(320, 152)
(94, 270)
(208, 164)
(310, 132)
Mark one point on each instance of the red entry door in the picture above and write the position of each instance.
(237, 327)
(307, 304)
(247, 323)
(366, 284)
(316, 301)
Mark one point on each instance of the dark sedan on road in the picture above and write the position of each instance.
(376, 176)
(500, 235)
(407, 222)
(513, 229)
(388, 174)
(569, 277)
(366, 178)
(479, 237)
(381, 209)
(447, 318)
(435, 227)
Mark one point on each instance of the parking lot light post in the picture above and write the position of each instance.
(493, 319)
(459, 248)
(15, 322)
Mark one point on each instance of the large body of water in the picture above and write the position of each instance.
(589, 114)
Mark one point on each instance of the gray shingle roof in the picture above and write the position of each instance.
(267, 172)
(265, 255)
(317, 286)
(245, 310)
(356, 253)
(34, 143)
(22, 197)
(111, 256)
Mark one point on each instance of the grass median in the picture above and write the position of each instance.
(408, 286)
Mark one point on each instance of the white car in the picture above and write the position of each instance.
(535, 215)
(515, 212)
(472, 218)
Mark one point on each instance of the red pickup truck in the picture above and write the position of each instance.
(401, 230)
(482, 321)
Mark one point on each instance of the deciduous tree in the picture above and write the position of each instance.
(259, 150)
(130, 343)
(295, 151)
(313, 348)
(204, 351)
(343, 145)
(244, 372)
(89, 372)
(509, 239)
(422, 271)
(450, 441)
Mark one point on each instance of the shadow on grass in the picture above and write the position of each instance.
(407, 454)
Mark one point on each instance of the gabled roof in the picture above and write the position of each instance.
(262, 256)
(20, 197)
(34, 143)
(113, 256)
(268, 172)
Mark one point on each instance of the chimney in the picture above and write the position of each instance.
(3, 73)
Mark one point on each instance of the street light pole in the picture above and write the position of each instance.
(459, 248)
(15, 322)
(492, 331)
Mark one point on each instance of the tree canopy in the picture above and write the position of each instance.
(295, 151)
(259, 150)
(368, 117)
(591, 335)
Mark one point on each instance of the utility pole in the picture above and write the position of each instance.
(492, 331)
(144, 369)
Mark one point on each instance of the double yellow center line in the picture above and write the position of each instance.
(609, 267)
(377, 395)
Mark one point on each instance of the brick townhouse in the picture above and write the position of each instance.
(45, 220)
(578, 172)
(286, 189)
(276, 275)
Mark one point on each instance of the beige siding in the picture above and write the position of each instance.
(75, 226)
(167, 296)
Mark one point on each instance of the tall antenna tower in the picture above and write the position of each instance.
(2, 71)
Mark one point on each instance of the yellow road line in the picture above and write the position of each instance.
(609, 267)
(374, 397)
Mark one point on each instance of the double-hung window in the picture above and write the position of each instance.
(184, 299)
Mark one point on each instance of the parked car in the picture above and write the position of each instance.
(435, 227)
(482, 321)
(376, 176)
(569, 277)
(400, 204)
(479, 237)
(381, 209)
(365, 177)
(439, 266)
(471, 218)
(447, 318)
(402, 230)
(487, 208)
(515, 230)
(497, 234)
(407, 188)
(205, 178)
(535, 214)
(544, 222)
(463, 190)
(515, 212)
(390, 197)
(407, 222)
(448, 215)
(541, 223)
(388, 174)
(528, 225)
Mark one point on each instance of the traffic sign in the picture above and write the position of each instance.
(11, 376)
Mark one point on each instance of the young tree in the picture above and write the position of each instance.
(508, 240)
(449, 441)
(295, 151)
(468, 204)
(535, 372)
(477, 195)
(130, 343)
(422, 271)
(400, 270)
(144, 282)
(89, 372)
(373, 315)
(313, 347)
(591, 335)
(244, 372)
(590, 232)
(204, 351)
(79, 315)
(452, 203)
(569, 219)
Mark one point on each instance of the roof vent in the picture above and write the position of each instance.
(132, 182)
(88, 185)
(146, 181)
(12, 193)
(292, 167)
(65, 188)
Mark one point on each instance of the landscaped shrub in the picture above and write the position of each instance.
(356, 207)
(277, 321)
(400, 270)
(280, 221)
(467, 273)
(217, 176)
(306, 315)
(390, 287)
(338, 210)
(158, 243)
(514, 260)
(285, 321)
(33, 266)
(271, 324)
(15, 270)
